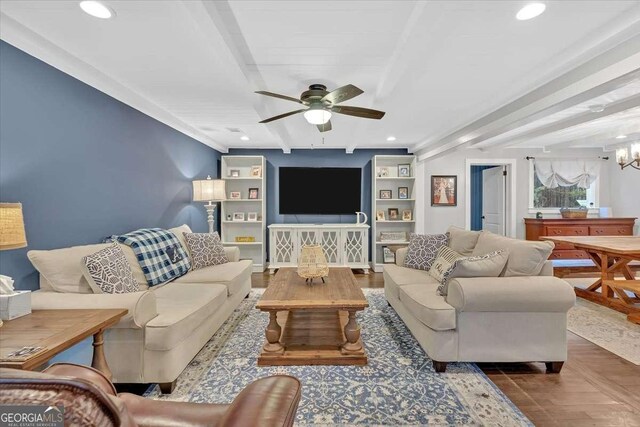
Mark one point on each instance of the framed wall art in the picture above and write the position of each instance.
(444, 190)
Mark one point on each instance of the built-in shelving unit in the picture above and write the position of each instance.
(386, 176)
(242, 183)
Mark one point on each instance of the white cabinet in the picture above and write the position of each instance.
(344, 245)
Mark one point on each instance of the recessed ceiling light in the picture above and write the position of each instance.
(97, 9)
(244, 138)
(621, 136)
(530, 11)
(597, 108)
(391, 138)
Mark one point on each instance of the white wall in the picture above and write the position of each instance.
(624, 192)
(438, 219)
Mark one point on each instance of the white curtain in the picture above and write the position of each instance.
(565, 173)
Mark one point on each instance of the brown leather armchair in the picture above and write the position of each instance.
(90, 399)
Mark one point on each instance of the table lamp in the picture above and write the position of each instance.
(12, 236)
(210, 191)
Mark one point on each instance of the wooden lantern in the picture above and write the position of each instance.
(312, 263)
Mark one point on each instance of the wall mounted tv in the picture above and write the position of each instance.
(320, 191)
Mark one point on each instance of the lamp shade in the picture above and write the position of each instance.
(209, 190)
(12, 235)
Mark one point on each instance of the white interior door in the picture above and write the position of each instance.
(494, 200)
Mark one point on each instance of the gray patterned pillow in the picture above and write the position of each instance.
(487, 265)
(423, 249)
(205, 249)
(108, 271)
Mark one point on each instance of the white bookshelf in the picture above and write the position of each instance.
(392, 181)
(230, 229)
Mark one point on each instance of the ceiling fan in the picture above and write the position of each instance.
(321, 104)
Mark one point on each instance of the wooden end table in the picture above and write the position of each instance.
(313, 324)
(56, 331)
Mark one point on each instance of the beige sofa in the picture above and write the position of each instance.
(483, 319)
(166, 325)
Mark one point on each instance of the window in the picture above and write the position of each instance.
(541, 197)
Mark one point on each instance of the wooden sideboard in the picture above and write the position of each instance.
(536, 228)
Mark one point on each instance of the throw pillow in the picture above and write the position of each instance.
(423, 249)
(108, 271)
(445, 259)
(462, 241)
(487, 265)
(205, 249)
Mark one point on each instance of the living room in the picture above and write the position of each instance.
(321, 213)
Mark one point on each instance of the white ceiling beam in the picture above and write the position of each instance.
(614, 68)
(596, 141)
(208, 17)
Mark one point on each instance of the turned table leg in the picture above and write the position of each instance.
(273, 334)
(99, 361)
(352, 334)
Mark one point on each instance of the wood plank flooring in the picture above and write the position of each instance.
(595, 387)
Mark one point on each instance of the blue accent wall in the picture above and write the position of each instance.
(85, 165)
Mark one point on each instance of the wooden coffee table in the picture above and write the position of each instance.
(313, 324)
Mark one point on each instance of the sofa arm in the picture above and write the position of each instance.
(233, 253)
(141, 306)
(401, 254)
(511, 294)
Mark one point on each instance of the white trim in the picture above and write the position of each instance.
(594, 189)
(511, 193)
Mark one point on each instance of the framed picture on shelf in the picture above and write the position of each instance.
(383, 172)
(234, 173)
(380, 215)
(403, 192)
(256, 171)
(385, 194)
(407, 215)
(252, 216)
(235, 195)
(394, 213)
(253, 193)
(404, 171)
(238, 216)
(444, 190)
(388, 256)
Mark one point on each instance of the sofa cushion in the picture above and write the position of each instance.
(108, 271)
(396, 276)
(205, 249)
(232, 275)
(423, 248)
(182, 308)
(424, 303)
(526, 258)
(462, 241)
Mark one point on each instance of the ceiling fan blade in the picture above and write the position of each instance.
(281, 116)
(343, 93)
(325, 127)
(277, 95)
(366, 113)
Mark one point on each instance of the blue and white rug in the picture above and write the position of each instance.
(398, 387)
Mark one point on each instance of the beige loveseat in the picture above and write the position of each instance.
(485, 319)
(166, 325)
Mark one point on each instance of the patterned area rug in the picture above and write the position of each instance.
(398, 387)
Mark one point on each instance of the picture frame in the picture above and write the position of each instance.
(252, 216)
(386, 194)
(234, 173)
(388, 256)
(380, 216)
(383, 172)
(235, 195)
(256, 171)
(407, 215)
(444, 190)
(404, 170)
(403, 192)
(238, 216)
(394, 214)
(253, 193)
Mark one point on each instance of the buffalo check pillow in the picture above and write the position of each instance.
(423, 249)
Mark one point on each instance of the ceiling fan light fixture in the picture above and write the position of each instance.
(317, 115)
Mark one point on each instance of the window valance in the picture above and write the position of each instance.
(565, 173)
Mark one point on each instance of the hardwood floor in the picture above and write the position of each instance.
(595, 387)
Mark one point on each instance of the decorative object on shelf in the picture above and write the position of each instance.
(256, 171)
(253, 194)
(383, 172)
(403, 192)
(539, 215)
(210, 191)
(380, 215)
(407, 215)
(393, 213)
(312, 263)
(404, 171)
(238, 216)
(228, 217)
(245, 239)
(360, 219)
(385, 194)
(235, 195)
(234, 173)
(252, 216)
(393, 236)
(622, 156)
(389, 257)
(580, 212)
(444, 190)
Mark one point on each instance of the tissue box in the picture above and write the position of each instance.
(16, 305)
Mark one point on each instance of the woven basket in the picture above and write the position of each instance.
(312, 262)
(574, 213)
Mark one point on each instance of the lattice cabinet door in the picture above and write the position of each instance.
(282, 246)
(330, 242)
(305, 237)
(355, 246)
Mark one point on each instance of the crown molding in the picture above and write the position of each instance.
(35, 45)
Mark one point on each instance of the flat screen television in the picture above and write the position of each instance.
(319, 191)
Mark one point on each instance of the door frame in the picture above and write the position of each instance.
(510, 194)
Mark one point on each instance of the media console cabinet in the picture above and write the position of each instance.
(344, 245)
